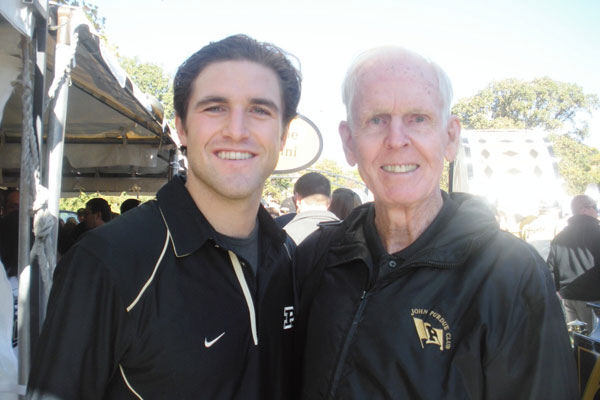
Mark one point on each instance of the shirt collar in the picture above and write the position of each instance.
(187, 225)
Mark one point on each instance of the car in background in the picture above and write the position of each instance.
(64, 215)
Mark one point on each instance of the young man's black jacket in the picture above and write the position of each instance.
(471, 314)
(149, 306)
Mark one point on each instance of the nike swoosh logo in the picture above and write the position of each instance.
(208, 344)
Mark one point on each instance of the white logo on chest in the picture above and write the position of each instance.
(288, 317)
(208, 343)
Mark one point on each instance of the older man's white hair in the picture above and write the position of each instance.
(371, 56)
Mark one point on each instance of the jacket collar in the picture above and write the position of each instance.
(187, 225)
(469, 227)
(583, 220)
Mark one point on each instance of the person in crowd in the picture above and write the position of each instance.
(81, 215)
(343, 201)
(97, 212)
(65, 235)
(9, 233)
(283, 219)
(8, 359)
(574, 252)
(190, 295)
(128, 205)
(312, 193)
(12, 201)
(419, 295)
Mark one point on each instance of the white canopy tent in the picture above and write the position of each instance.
(112, 129)
(91, 129)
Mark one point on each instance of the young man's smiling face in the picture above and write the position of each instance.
(233, 129)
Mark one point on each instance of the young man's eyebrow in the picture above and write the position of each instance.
(218, 99)
(265, 102)
(209, 99)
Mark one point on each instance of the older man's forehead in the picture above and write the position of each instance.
(405, 67)
(375, 82)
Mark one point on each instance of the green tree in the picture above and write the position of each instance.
(75, 203)
(542, 103)
(92, 13)
(280, 187)
(579, 164)
(151, 79)
(545, 104)
(337, 176)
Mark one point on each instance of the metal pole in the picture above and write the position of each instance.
(37, 308)
(25, 194)
(56, 127)
(451, 177)
(173, 164)
(39, 87)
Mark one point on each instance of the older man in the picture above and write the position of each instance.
(419, 295)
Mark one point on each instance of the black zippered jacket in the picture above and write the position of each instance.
(574, 253)
(471, 315)
(149, 306)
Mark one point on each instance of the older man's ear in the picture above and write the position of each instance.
(453, 131)
(347, 142)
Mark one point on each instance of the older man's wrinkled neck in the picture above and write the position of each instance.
(398, 227)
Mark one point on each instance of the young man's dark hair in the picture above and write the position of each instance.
(312, 183)
(99, 205)
(239, 48)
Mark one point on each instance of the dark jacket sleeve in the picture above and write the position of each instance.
(586, 287)
(84, 334)
(551, 261)
(533, 359)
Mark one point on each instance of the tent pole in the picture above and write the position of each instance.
(26, 201)
(56, 128)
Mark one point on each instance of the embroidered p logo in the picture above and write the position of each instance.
(288, 317)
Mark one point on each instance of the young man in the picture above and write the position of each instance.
(419, 295)
(189, 296)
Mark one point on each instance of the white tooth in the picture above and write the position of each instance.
(233, 155)
(400, 168)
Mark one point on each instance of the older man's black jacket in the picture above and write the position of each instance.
(471, 314)
(149, 306)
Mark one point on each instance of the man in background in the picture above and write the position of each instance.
(128, 205)
(574, 253)
(97, 213)
(312, 196)
(9, 233)
(12, 201)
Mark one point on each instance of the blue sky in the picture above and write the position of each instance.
(476, 42)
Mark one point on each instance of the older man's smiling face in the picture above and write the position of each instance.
(399, 134)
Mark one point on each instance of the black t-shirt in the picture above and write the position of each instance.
(247, 247)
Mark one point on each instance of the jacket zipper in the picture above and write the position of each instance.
(358, 314)
(341, 361)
